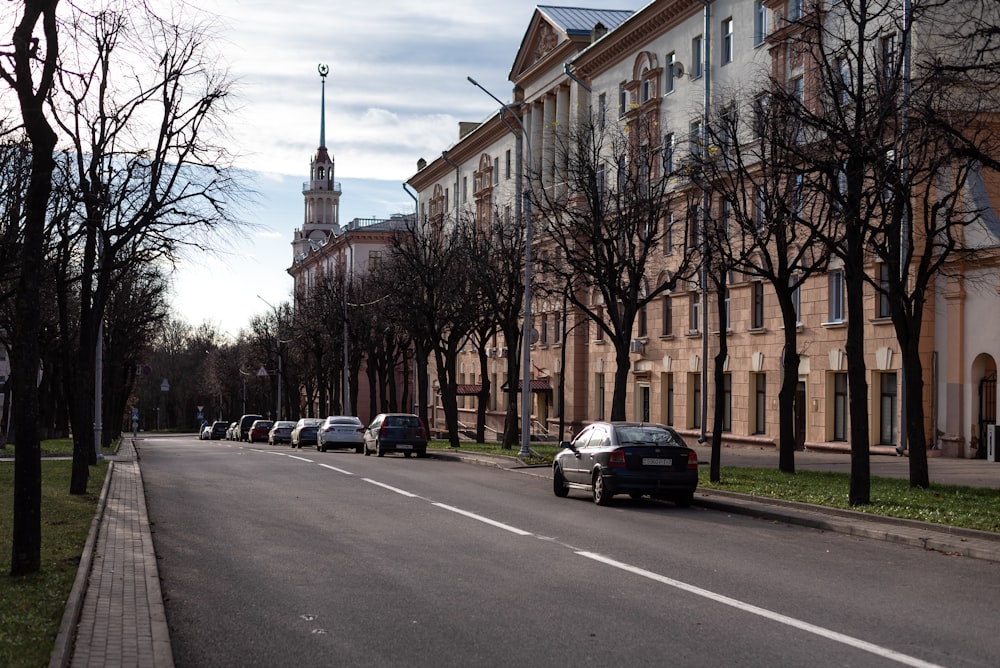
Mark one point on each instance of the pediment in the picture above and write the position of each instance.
(541, 39)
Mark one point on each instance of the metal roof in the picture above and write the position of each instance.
(579, 20)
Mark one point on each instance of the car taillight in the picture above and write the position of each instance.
(617, 458)
(692, 460)
(382, 429)
(423, 429)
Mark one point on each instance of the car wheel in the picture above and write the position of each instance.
(365, 446)
(357, 449)
(602, 496)
(421, 453)
(378, 449)
(684, 499)
(635, 496)
(559, 486)
(407, 454)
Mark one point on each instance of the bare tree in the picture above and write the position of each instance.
(603, 231)
(758, 227)
(141, 98)
(28, 67)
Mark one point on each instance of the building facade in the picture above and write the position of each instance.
(653, 64)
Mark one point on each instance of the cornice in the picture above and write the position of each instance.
(634, 35)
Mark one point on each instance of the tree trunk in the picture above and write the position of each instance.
(857, 383)
(623, 365)
(789, 383)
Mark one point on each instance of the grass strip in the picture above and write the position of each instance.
(31, 607)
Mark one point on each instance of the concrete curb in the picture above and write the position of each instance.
(63, 649)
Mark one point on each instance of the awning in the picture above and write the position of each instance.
(536, 385)
(468, 390)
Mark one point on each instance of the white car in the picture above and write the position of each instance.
(341, 431)
(206, 433)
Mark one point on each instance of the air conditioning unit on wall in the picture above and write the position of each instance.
(636, 346)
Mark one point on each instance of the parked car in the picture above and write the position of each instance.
(245, 423)
(219, 429)
(281, 432)
(233, 431)
(341, 431)
(304, 432)
(396, 432)
(258, 430)
(205, 432)
(633, 458)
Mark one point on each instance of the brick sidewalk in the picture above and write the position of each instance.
(121, 620)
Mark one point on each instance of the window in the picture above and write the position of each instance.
(727, 41)
(796, 298)
(601, 183)
(544, 335)
(840, 406)
(465, 189)
(836, 297)
(669, 397)
(760, 403)
(599, 396)
(887, 409)
(668, 236)
(842, 81)
(668, 154)
(696, 58)
(794, 10)
(726, 297)
(727, 402)
(761, 109)
(759, 22)
(641, 317)
(726, 218)
(556, 329)
(647, 87)
(797, 88)
(695, 311)
(668, 316)
(694, 412)
(695, 138)
(882, 309)
(890, 57)
(671, 61)
(374, 259)
(622, 101)
(496, 171)
(760, 209)
(507, 166)
(757, 318)
(695, 225)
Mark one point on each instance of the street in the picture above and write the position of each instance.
(270, 556)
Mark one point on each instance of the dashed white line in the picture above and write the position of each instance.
(301, 459)
(334, 468)
(484, 520)
(863, 645)
(390, 488)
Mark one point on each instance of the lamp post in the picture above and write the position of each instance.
(522, 203)
(277, 343)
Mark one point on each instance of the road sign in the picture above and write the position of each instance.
(262, 372)
(165, 385)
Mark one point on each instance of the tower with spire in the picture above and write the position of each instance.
(321, 192)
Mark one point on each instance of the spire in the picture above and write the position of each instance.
(323, 71)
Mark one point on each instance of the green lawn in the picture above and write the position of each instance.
(31, 607)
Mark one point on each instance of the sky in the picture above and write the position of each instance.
(395, 93)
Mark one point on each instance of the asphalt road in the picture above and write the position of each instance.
(276, 557)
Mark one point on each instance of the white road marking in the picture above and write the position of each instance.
(390, 488)
(334, 468)
(484, 520)
(863, 645)
(301, 459)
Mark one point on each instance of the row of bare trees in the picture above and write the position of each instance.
(118, 163)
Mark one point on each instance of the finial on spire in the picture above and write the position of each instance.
(323, 71)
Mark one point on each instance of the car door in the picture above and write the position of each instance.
(600, 439)
(570, 461)
(371, 433)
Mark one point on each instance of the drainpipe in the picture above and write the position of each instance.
(707, 74)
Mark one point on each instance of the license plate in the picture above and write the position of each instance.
(404, 446)
(656, 461)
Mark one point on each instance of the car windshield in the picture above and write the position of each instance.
(346, 420)
(645, 435)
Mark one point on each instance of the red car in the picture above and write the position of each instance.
(259, 430)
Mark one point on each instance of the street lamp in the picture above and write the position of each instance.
(277, 343)
(522, 203)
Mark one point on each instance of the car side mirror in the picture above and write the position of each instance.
(567, 445)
